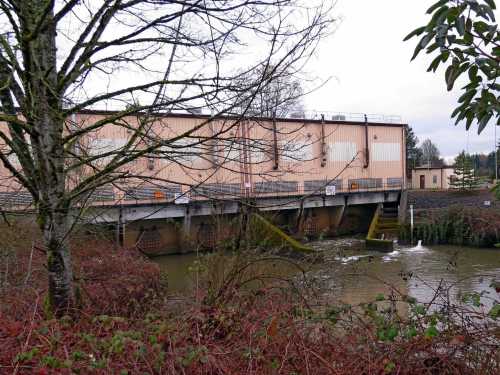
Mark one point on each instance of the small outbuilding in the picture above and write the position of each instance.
(431, 177)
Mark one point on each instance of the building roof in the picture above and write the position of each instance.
(253, 118)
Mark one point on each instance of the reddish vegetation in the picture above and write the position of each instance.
(124, 327)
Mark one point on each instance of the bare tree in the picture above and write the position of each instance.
(279, 97)
(139, 58)
(430, 153)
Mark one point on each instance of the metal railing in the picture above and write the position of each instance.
(318, 115)
(213, 191)
(349, 116)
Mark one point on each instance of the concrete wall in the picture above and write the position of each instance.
(170, 236)
(154, 236)
(356, 220)
(322, 221)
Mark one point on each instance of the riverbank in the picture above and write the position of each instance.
(456, 225)
(470, 218)
(439, 199)
(123, 324)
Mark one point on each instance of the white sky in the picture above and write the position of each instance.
(371, 73)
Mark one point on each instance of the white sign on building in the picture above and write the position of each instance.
(180, 198)
(330, 190)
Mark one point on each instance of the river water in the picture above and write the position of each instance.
(353, 275)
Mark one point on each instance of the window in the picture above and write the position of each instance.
(386, 151)
(183, 150)
(260, 150)
(107, 147)
(230, 150)
(434, 179)
(342, 151)
(297, 151)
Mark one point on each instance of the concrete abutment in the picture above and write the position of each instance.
(181, 228)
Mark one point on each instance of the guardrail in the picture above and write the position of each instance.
(296, 115)
(217, 192)
(347, 116)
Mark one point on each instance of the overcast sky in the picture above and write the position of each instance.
(371, 73)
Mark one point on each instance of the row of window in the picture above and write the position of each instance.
(190, 150)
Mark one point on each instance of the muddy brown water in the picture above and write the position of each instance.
(353, 275)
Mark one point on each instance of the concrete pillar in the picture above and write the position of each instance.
(336, 216)
(403, 207)
(119, 230)
(299, 220)
(186, 238)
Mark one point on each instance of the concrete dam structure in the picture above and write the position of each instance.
(332, 174)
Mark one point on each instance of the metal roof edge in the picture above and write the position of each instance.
(252, 118)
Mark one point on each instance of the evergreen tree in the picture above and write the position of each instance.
(464, 175)
(414, 154)
(491, 163)
(476, 161)
(496, 163)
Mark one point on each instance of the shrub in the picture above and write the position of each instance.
(124, 326)
(457, 226)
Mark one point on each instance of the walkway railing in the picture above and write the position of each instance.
(347, 116)
(232, 192)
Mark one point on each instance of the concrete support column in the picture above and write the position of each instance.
(119, 230)
(336, 216)
(186, 238)
(299, 220)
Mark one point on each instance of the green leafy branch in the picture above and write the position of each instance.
(463, 36)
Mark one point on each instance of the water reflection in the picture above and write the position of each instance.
(353, 275)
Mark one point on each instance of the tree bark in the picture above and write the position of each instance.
(44, 114)
(55, 228)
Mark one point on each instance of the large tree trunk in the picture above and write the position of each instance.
(47, 120)
(55, 228)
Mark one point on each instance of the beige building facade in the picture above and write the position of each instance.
(431, 178)
(256, 157)
(188, 193)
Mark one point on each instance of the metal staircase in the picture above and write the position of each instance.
(384, 228)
